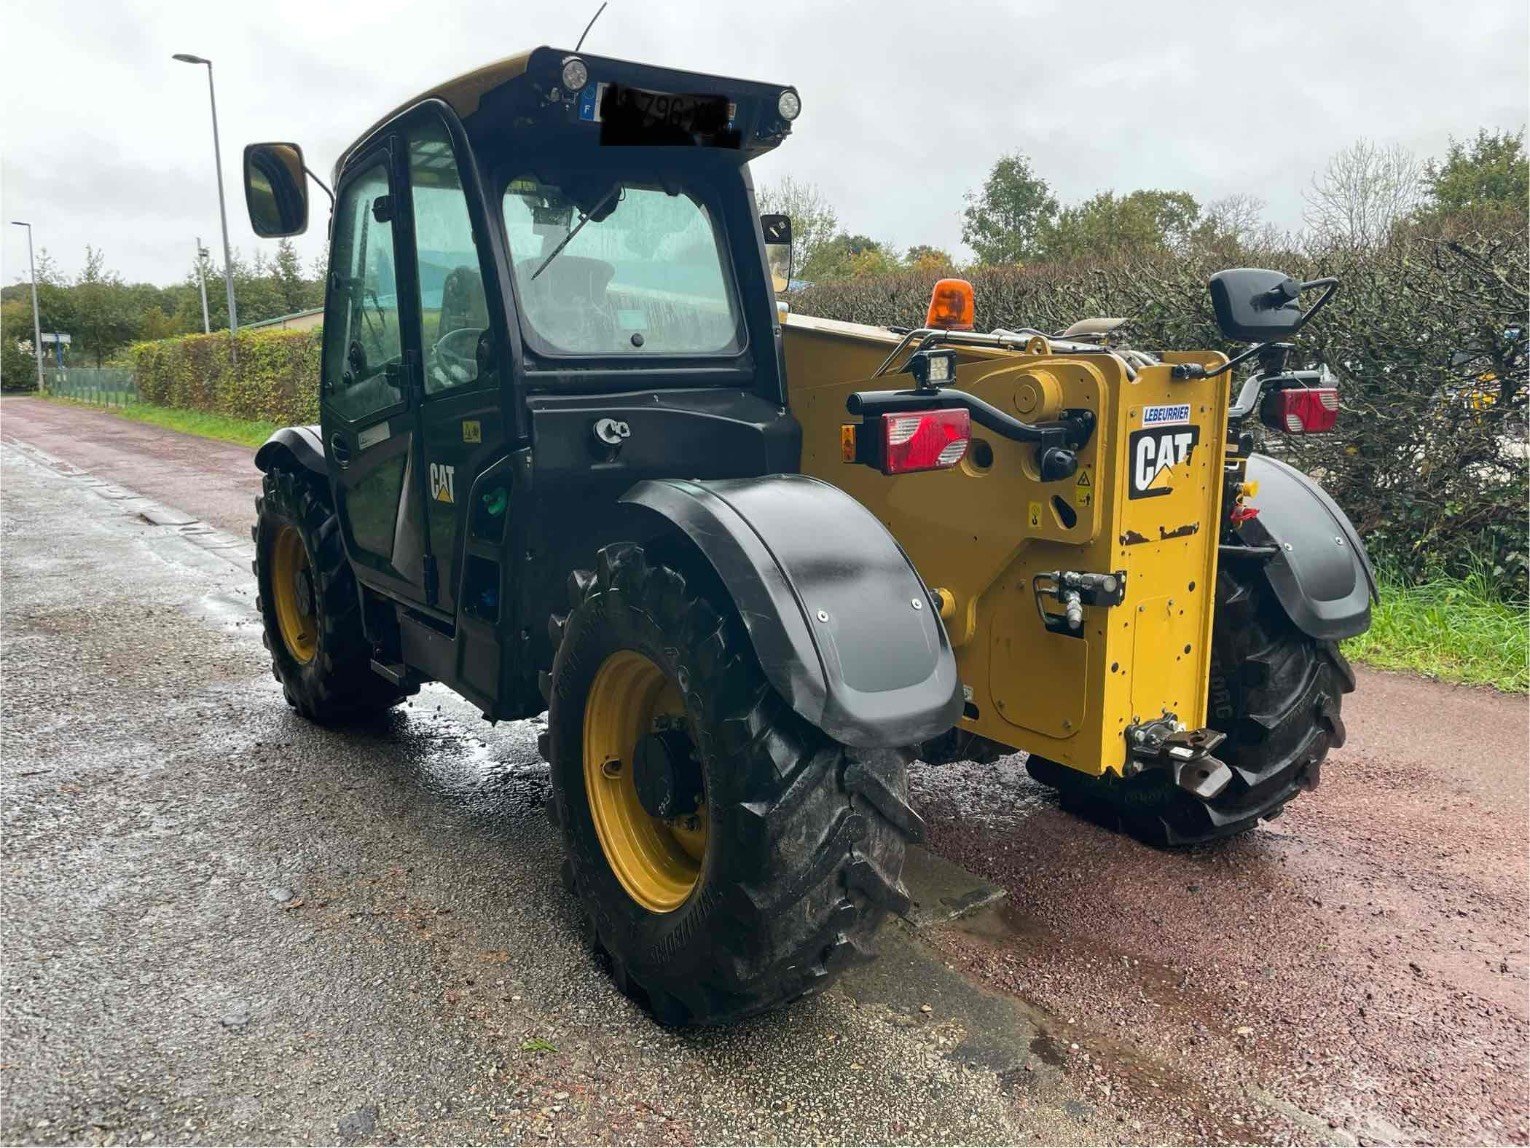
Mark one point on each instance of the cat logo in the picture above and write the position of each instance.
(1155, 453)
(443, 482)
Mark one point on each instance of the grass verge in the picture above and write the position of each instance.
(1453, 629)
(246, 432)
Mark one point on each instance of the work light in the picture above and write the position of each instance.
(575, 74)
(789, 105)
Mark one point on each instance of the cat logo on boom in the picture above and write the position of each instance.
(443, 482)
(1155, 452)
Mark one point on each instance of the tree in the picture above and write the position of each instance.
(1004, 223)
(813, 219)
(1363, 193)
(1232, 225)
(850, 257)
(1488, 174)
(296, 293)
(1109, 226)
(18, 367)
(929, 260)
(104, 317)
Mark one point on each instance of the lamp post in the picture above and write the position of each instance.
(36, 322)
(228, 253)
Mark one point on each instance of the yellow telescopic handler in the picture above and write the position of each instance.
(572, 456)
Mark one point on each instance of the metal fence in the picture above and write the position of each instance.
(102, 386)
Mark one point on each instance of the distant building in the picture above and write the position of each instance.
(297, 321)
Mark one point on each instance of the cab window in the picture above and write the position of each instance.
(362, 348)
(454, 313)
(611, 268)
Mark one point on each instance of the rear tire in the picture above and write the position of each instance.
(1275, 693)
(309, 603)
(804, 838)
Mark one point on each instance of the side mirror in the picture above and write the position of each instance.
(1254, 306)
(777, 230)
(274, 189)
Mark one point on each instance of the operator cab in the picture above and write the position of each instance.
(547, 282)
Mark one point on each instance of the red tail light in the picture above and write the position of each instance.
(1301, 410)
(924, 440)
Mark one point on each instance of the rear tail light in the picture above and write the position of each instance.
(1301, 410)
(924, 440)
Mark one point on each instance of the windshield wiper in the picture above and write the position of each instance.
(584, 217)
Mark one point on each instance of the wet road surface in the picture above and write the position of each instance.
(222, 923)
(210, 480)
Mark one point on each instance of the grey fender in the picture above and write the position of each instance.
(840, 620)
(1320, 572)
(302, 444)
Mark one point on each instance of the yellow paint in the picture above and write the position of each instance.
(657, 862)
(292, 593)
(983, 536)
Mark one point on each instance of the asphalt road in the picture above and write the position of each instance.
(221, 923)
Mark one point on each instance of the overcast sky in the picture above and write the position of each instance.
(107, 141)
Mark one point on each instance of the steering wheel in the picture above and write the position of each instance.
(455, 357)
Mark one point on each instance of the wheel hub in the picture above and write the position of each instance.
(304, 591)
(667, 774)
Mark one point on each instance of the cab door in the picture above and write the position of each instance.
(369, 406)
(459, 327)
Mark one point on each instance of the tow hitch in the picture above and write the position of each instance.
(1184, 754)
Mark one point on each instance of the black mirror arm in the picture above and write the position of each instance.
(324, 187)
(1183, 371)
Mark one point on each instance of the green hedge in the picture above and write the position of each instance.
(275, 377)
(1426, 336)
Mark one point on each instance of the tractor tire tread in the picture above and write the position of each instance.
(816, 832)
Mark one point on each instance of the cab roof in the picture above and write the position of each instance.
(465, 93)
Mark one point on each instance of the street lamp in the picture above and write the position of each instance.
(36, 322)
(228, 254)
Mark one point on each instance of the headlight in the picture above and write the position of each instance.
(575, 74)
(789, 104)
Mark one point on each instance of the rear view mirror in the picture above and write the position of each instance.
(1254, 306)
(777, 230)
(274, 189)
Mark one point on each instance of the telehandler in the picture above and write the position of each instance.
(574, 456)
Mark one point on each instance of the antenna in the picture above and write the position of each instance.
(590, 25)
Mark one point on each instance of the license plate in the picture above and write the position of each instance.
(637, 115)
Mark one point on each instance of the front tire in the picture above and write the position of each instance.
(781, 851)
(309, 603)
(1275, 693)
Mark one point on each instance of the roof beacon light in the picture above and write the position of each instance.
(575, 74)
(789, 104)
(952, 306)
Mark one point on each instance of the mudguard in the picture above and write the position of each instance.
(303, 444)
(1320, 572)
(839, 618)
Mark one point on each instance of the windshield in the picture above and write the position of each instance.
(609, 268)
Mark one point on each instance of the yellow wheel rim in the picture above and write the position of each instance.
(657, 862)
(293, 593)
